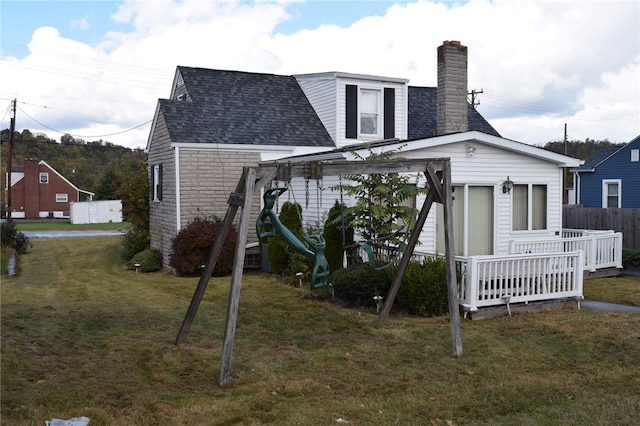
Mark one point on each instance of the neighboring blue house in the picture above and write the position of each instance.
(610, 178)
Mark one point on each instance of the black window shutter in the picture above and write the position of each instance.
(389, 113)
(352, 111)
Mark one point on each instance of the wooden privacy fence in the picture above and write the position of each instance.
(620, 220)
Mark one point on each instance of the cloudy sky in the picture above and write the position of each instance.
(95, 69)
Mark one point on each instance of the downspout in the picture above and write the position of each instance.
(177, 188)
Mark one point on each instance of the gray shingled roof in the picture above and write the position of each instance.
(232, 107)
(423, 118)
(598, 157)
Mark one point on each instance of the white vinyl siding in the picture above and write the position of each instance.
(322, 94)
(490, 166)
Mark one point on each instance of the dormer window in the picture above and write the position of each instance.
(182, 97)
(370, 113)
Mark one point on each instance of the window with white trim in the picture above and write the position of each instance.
(611, 193)
(635, 155)
(44, 177)
(369, 112)
(156, 182)
(62, 198)
(529, 207)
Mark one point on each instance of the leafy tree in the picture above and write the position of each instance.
(380, 208)
(109, 186)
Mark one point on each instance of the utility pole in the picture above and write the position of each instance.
(12, 127)
(474, 94)
(565, 195)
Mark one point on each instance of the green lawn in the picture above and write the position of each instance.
(65, 225)
(82, 336)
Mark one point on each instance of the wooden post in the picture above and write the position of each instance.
(236, 278)
(450, 258)
(214, 254)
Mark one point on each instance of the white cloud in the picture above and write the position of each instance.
(540, 63)
(82, 23)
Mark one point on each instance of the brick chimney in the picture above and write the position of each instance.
(452, 112)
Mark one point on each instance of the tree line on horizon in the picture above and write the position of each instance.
(107, 169)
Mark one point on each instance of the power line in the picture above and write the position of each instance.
(85, 136)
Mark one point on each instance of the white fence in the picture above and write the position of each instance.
(517, 278)
(602, 249)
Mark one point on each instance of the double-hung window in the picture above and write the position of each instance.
(44, 177)
(62, 198)
(529, 207)
(369, 112)
(611, 193)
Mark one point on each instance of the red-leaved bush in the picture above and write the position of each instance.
(191, 246)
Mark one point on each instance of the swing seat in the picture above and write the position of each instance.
(320, 273)
(269, 225)
(371, 258)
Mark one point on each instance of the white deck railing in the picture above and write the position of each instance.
(517, 278)
(602, 249)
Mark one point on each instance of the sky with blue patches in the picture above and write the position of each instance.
(95, 69)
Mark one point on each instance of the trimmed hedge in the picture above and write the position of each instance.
(150, 260)
(422, 292)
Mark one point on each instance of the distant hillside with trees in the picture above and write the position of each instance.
(87, 164)
(579, 149)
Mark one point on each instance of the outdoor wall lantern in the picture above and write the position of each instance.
(507, 185)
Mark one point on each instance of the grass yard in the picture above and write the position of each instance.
(624, 289)
(82, 336)
(65, 225)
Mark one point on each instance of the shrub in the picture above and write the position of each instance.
(150, 260)
(423, 290)
(358, 284)
(135, 240)
(283, 258)
(13, 238)
(630, 257)
(333, 237)
(191, 246)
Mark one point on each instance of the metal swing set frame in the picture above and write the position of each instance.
(254, 179)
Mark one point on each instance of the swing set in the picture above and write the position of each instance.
(254, 179)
